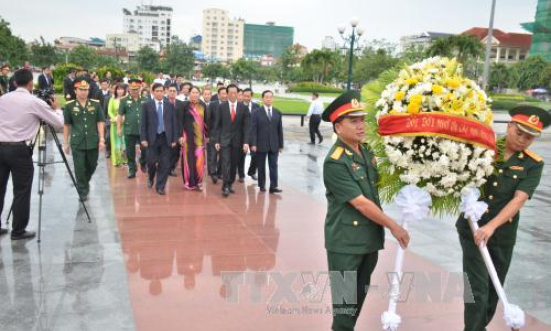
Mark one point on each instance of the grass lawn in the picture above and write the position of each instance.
(322, 94)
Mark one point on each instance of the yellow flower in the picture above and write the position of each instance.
(400, 95)
(412, 81)
(453, 82)
(457, 105)
(489, 117)
(393, 111)
(437, 89)
(414, 108)
(416, 99)
(480, 96)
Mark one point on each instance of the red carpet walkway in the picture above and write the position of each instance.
(197, 261)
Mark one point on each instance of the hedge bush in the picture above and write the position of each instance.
(314, 87)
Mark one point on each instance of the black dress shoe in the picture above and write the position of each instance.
(3, 231)
(130, 176)
(225, 193)
(231, 190)
(275, 190)
(262, 189)
(173, 173)
(241, 179)
(214, 180)
(149, 182)
(161, 191)
(143, 168)
(84, 197)
(24, 235)
(254, 177)
(321, 140)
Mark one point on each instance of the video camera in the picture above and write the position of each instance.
(47, 95)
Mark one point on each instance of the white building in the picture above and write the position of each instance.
(153, 24)
(128, 41)
(423, 39)
(222, 36)
(328, 43)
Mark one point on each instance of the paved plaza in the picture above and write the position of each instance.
(254, 261)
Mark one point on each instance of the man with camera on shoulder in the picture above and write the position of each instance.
(20, 116)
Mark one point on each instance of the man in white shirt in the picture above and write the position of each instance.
(160, 79)
(314, 116)
(20, 117)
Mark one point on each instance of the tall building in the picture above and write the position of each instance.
(506, 47)
(222, 36)
(541, 28)
(153, 24)
(268, 39)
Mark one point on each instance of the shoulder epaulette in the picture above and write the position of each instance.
(70, 101)
(533, 155)
(337, 153)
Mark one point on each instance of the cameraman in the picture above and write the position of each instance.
(20, 117)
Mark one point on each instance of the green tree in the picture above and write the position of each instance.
(530, 73)
(467, 50)
(413, 53)
(289, 62)
(178, 59)
(244, 69)
(44, 54)
(213, 70)
(147, 59)
(321, 64)
(500, 76)
(441, 47)
(12, 48)
(83, 56)
(371, 64)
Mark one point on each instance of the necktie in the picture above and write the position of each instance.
(232, 113)
(161, 125)
(270, 113)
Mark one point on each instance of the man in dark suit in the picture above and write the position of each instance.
(231, 136)
(68, 88)
(159, 135)
(252, 106)
(213, 156)
(104, 97)
(45, 80)
(172, 93)
(216, 97)
(266, 137)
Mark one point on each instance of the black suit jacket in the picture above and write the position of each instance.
(149, 122)
(266, 134)
(179, 114)
(210, 117)
(44, 83)
(231, 134)
(68, 89)
(214, 98)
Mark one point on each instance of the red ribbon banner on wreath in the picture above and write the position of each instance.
(440, 125)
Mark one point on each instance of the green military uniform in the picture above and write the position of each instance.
(84, 139)
(131, 110)
(352, 241)
(521, 172)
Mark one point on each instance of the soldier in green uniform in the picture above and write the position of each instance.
(355, 222)
(130, 109)
(84, 123)
(516, 177)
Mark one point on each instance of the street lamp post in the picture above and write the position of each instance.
(486, 74)
(354, 37)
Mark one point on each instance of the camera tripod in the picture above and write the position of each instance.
(40, 140)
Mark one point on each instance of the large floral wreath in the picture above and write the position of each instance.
(433, 131)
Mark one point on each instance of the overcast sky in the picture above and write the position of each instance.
(312, 20)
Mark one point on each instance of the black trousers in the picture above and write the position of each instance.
(272, 165)
(214, 161)
(158, 160)
(229, 157)
(17, 160)
(175, 156)
(314, 126)
(253, 165)
(107, 135)
(131, 140)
